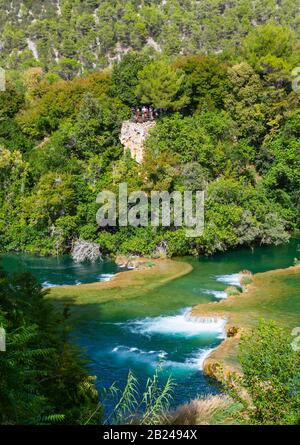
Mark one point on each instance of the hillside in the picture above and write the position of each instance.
(138, 132)
(226, 122)
(75, 36)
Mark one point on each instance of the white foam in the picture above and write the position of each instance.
(121, 349)
(198, 359)
(102, 277)
(106, 276)
(47, 285)
(195, 362)
(159, 357)
(233, 279)
(219, 294)
(181, 324)
(162, 354)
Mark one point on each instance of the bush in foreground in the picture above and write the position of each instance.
(269, 387)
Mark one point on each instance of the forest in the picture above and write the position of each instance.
(72, 37)
(232, 130)
(222, 71)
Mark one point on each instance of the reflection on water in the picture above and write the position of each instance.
(56, 271)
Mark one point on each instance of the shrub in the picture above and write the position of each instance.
(269, 385)
(232, 290)
(205, 411)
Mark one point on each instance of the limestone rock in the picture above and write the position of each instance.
(133, 135)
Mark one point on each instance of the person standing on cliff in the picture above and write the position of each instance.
(151, 113)
(143, 113)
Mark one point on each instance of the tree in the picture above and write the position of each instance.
(193, 176)
(98, 125)
(68, 68)
(281, 168)
(125, 77)
(52, 198)
(43, 379)
(162, 86)
(269, 385)
(13, 175)
(244, 101)
(32, 79)
(271, 49)
(207, 80)
(198, 138)
(273, 230)
(270, 39)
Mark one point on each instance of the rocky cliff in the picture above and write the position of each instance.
(133, 136)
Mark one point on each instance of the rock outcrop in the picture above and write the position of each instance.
(133, 135)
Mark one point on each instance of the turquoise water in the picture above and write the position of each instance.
(56, 271)
(155, 328)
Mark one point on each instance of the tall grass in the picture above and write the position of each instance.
(210, 410)
(149, 407)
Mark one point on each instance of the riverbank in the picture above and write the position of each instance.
(124, 285)
(271, 295)
(138, 326)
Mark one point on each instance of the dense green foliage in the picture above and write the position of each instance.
(232, 129)
(269, 388)
(69, 36)
(42, 376)
(74, 69)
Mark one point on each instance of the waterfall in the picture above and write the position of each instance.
(181, 324)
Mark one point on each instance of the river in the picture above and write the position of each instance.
(155, 328)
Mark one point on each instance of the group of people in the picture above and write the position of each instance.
(145, 113)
